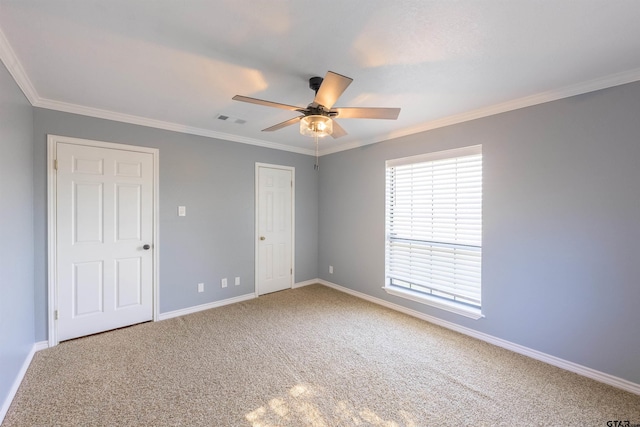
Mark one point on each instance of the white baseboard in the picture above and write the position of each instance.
(516, 348)
(194, 309)
(305, 283)
(207, 306)
(18, 380)
(41, 345)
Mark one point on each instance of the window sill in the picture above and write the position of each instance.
(450, 306)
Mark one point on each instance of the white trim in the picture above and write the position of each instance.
(160, 124)
(156, 234)
(10, 60)
(435, 155)
(207, 306)
(51, 241)
(600, 83)
(305, 283)
(17, 381)
(442, 304)
(490, 110)
(257, 225)
(41, 345)
(516, 348)
(52, 141)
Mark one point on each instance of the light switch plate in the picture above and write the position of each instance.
(182, 211)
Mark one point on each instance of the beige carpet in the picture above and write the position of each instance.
(306, 357)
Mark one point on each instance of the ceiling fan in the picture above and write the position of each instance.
(318, 118)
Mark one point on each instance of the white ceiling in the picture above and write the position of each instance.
(176, 64)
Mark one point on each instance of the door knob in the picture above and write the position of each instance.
(146, 247)
(262, 237)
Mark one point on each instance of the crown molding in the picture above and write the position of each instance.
(10, 60)
(515, 104)
(160, 124)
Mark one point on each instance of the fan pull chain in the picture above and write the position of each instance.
(317, 165)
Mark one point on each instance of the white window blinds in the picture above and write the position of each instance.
(434, 224)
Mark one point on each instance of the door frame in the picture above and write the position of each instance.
(52, 286)
(257, 221)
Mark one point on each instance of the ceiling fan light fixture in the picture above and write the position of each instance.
(316, 120)
(316, 125)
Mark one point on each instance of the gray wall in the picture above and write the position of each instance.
(16, 231)
(214, 179)
(561, 225)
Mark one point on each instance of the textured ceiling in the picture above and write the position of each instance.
(176, 64)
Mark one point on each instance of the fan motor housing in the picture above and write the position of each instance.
(318, 110)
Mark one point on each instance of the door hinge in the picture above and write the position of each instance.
(55, 315)
(291, 271)
(55, 164)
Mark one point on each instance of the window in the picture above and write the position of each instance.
(434, 229)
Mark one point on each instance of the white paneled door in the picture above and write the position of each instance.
(274, 229)
(104, 239)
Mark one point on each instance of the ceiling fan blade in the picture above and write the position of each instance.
(367, 113)
(331, 88)
(338, 131)
(266, 103)
(283, 124)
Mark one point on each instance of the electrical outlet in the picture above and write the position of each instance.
(237, 282)
(200, 287)
(223, 282)
(331, 269)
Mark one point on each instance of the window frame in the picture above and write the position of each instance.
(404, 292)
